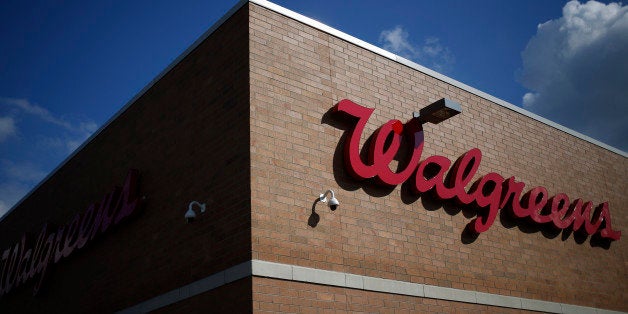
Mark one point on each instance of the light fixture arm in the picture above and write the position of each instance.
(323, 197)
(190, 215)
(201, 205)
(333, 202)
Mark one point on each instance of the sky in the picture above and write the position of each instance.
(66, 67)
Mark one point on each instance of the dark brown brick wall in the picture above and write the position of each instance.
(299, 73)
(235, 297)
(243, 123)
(189, 137)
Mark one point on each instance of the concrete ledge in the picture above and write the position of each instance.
(272, 270)
(206, 284)
(203, 285)
(541, 306)
(450, 294)
(332, 278)
(393, 286)
(498, 300)
(354, 281)
(602, 311)
(324, 277)
(238, 272)
(576, 309)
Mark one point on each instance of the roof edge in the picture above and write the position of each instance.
(334, 32)
(137, 96)
(356, 41)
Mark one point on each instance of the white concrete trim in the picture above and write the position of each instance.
(541, 306)
(450, 294)
(276, 270)
(393, 286)
(200, 286)
(318, 276)
(352, 281)
(498, 300)
(358, 42)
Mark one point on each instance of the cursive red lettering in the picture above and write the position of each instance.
(86, 226)
(44, 260)
(38, 248)
(9, 278)
(491, 193)
(57, 245)
(383, 148)
(108, 209)
(487, 193)
(71, 236)
(356, 167)
(462, 173)
(537, 199)
(25, 256)
(579, 213)
(5, 266)
(512, 197)
(559, 209)
(24, 267)
(95, 228)
(381, 157)
(20, 263)
(426, 181)
(607, 228)
(129, 201)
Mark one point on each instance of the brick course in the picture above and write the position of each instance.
(189, 137)
(299, 73)
(244, 123)
(277, 296)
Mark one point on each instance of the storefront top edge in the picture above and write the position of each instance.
(358, 42)
(334, 32)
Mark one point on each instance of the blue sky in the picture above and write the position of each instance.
(67, 67)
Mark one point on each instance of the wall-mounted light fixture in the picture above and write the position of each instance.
(438, 111)
(333, 202)
(190, 215)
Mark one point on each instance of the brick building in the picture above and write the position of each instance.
(255, 120)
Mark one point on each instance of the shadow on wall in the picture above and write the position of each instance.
(342, 177)
(314, 218)
(429, 200)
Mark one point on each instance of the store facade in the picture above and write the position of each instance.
(491, 210)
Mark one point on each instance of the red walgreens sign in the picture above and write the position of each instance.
(20, 263)
(491, 192)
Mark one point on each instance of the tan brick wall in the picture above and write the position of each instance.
(298, 74)
(277, 296)
(261, 170)
(189, 137)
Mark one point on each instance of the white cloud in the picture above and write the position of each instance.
(24, 172)
(432, 52)
(61, 136)
(33, 109)
(88, 126)
(576, 68)
(396, 40)
(3, 208)
(7, 128)
(11, 193)
(18, 179)
(76, 131)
